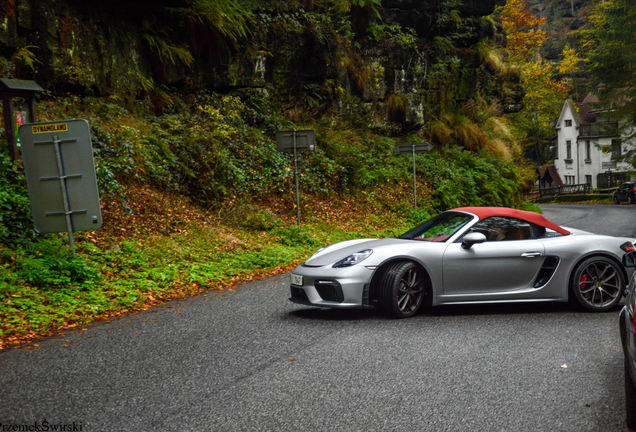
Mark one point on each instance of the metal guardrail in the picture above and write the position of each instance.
(565, 190)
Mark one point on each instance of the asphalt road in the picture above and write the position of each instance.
(251, 360)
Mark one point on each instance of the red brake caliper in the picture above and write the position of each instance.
(582, 285)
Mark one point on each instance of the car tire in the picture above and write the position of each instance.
(616, 201)
(597, 284)
(630, 399)
(630, 200)
(402, 289)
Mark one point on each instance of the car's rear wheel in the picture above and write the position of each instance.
(597, 284)
(402, 289)
(630, 398)
(630, 200)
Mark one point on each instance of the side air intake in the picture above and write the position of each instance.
(550, 264)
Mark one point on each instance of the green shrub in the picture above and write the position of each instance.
(460, 178)
(15, 208)
(262, 220)
(48, 263)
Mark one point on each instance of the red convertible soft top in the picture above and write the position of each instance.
(535, 218)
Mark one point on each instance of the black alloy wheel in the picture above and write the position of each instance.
(597, 284)
(616, 201)
(402, 289)
(630, 200)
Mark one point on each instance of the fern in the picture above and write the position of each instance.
(228, 17)
(443, 44)
(26, 56)
(166, 50)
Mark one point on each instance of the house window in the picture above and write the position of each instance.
(568, 123)
(616, 148)
(568, 146)
(588, 179)
(570, 179)
(555, 150)
(588, 151)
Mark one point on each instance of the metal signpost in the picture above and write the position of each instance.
(412, 149)
(609, 179)
(296, 142)
(60, 174)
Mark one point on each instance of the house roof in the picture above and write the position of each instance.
(550, 174)
(535, 218)
(586, 113)
(572, 106)
(582, 112)
(590, 98)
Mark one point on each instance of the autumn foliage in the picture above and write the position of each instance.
(545, 92)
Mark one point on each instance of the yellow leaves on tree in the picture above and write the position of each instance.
(569, 61)
(521, 27)
(544, 93)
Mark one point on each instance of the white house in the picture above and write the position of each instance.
(587, 144)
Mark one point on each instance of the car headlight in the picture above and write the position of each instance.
(354, 259)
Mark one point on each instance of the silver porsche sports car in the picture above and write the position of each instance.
(467, 255)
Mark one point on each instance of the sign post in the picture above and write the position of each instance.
(412, 149)
(296, 142)
(60, 174)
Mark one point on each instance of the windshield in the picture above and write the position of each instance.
(439, 228)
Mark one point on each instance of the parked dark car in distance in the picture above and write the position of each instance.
(625, 192)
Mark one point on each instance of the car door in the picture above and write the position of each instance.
(509, 260)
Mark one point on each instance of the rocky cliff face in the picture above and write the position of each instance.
(296, 52)
(563, 18)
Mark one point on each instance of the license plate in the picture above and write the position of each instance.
(296, 280)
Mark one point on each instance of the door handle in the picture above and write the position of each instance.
(531, 254)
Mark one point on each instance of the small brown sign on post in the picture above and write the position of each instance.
(15, 115)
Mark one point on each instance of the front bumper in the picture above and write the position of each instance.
(332, 287)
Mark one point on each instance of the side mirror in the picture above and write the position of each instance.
(470, 239)
(629, 259)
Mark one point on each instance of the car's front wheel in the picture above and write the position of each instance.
(630, 398)
(402, 289)
(616, 201)
(597, 284)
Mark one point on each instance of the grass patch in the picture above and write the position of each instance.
(43, 289)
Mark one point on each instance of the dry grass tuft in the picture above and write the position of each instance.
(396, 107)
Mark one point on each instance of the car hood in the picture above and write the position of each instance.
(338, 251)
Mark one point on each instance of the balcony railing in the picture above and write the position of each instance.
(602, 129)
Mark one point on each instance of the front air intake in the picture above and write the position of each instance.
(299, 296)
(329, 291)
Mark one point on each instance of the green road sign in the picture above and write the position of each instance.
(60, 173)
